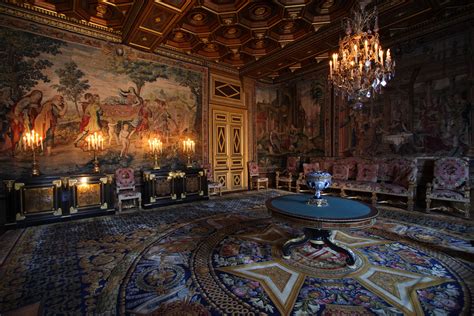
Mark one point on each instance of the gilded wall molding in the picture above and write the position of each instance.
(50, 18)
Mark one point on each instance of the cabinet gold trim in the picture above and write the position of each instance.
(57, 183)
(9, 184)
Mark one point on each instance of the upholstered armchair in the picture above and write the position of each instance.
(125, 187)
(286, 177)
(301, 181)
(214, 187)
(450, 184)
(255, 178)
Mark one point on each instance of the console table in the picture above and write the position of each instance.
(164, 186)
(44, 199)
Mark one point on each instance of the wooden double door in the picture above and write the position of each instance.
(229, 147)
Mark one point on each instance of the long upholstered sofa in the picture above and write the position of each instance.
(384, 179)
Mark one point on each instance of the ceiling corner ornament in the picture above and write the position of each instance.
(57, 20)
(361, 68)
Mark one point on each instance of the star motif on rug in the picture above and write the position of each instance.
(280, 283)
(356, 241)
(398, 287)
(271, 235)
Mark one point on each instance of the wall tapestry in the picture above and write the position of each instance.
(66, 91)
(290, 121)
(425, 110)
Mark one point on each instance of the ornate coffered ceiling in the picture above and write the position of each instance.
(259, 38)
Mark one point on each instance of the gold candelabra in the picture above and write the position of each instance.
(156, 148)
(32, 141)
(95, 142)
(188, 149)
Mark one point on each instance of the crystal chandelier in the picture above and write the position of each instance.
(360, 69)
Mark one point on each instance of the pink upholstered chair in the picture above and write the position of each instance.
(450, 184)
(255, 178)
(214, 187)
(288, 176)
(125, 187)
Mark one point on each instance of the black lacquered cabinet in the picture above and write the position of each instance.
(43, 199)
(164, 187)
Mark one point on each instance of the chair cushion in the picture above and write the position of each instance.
(253, 168)
(285, 179)
(124, 178)
(367, 172)
(337, 183)
(340, 172)
(447, 194)
(262, 179)
(450, 173)
(392, 188)
(292, 164)
(351, 162)
(310, 167)
(385, 172)
(214, 185)
(368, 186)
(402, 175)
(129, 195)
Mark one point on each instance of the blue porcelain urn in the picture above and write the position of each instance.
(318, 181)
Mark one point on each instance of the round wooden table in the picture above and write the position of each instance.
(319, 223)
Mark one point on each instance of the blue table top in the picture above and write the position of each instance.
(338, 209)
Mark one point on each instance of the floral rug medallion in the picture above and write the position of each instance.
(233, 265)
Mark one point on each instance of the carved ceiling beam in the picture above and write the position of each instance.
(324, 41)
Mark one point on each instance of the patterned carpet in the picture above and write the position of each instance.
(223, 256)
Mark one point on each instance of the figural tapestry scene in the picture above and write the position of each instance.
(66, 91)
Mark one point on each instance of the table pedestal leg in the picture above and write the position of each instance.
(318, 237)
(286, 249)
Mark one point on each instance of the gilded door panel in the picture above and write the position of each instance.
(221, 140)
(237, 179)
(221, 177)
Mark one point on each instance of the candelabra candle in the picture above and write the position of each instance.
(95, 142)
(156, 148)
(188, 149)
(33, 141)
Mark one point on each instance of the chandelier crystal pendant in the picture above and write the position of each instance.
(361, 68)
